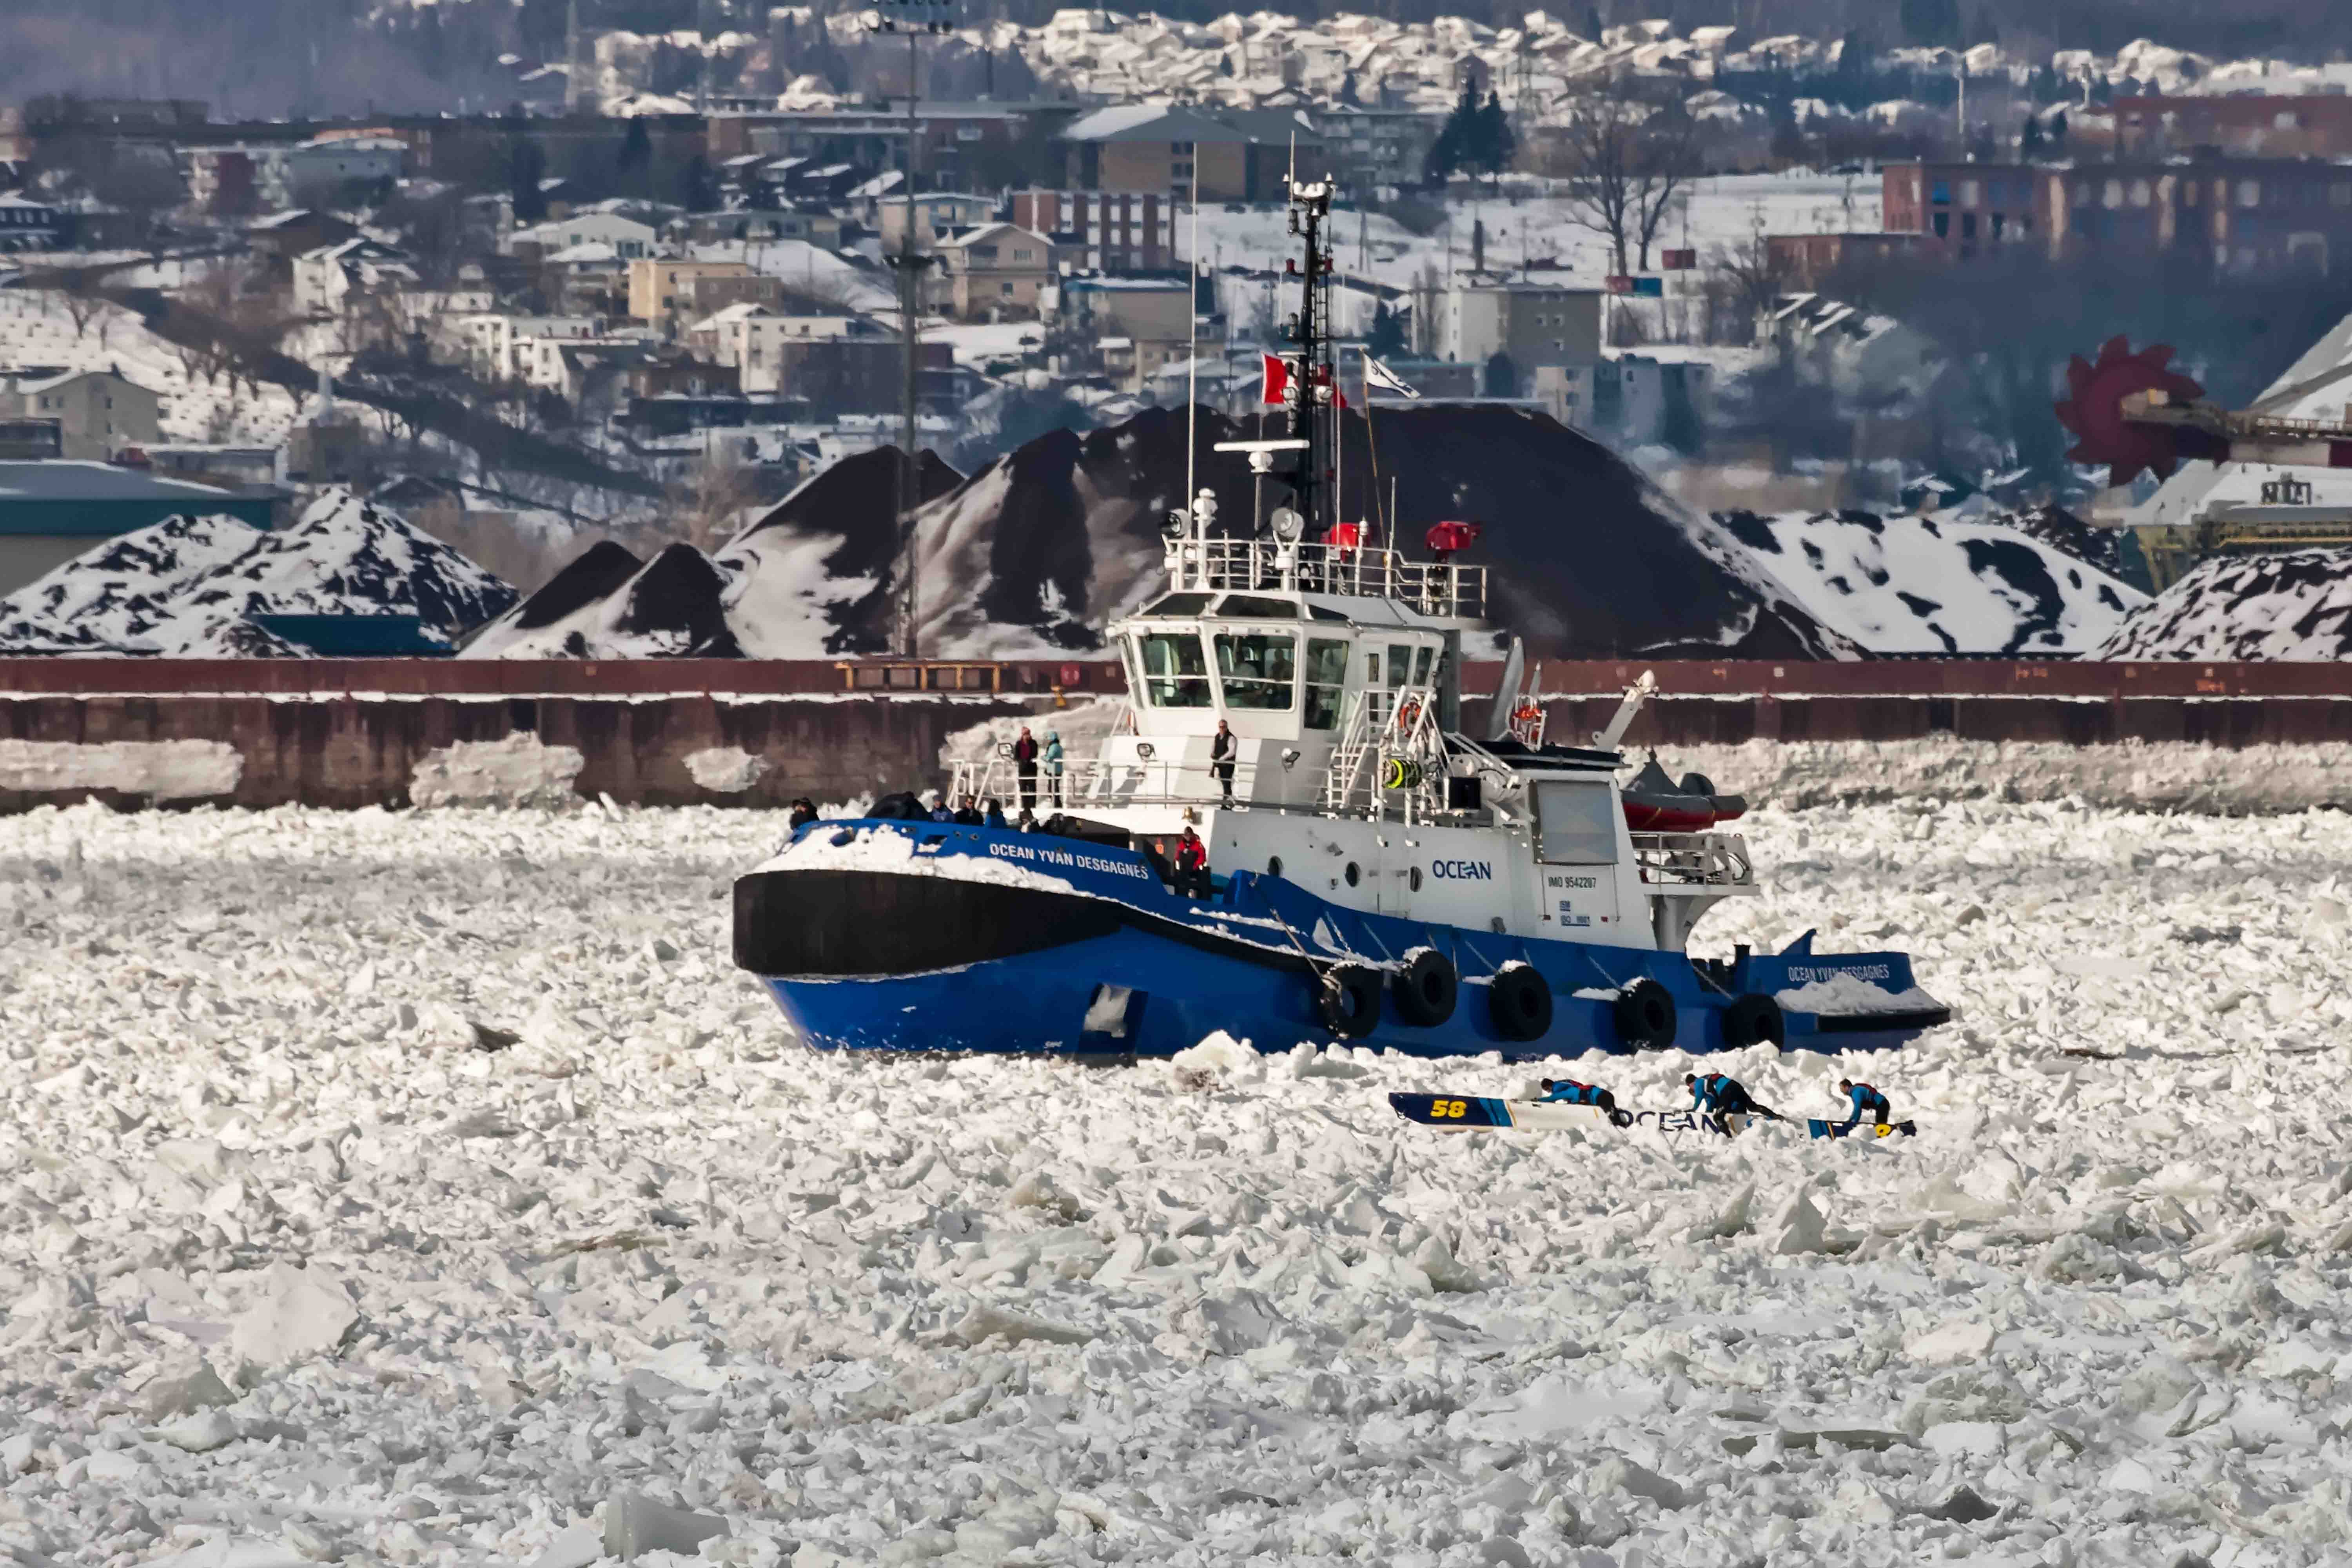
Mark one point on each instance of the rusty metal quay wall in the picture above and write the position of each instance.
(355, 732)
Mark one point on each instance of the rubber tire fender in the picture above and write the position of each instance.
(1347, 1000)
(1518, 1003)
(1425, 989)
(1644, 1015)
(1754, 1019)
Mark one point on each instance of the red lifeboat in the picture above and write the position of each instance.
(1654, 803)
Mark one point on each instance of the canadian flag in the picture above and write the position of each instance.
(1278, 381)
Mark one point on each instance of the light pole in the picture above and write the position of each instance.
(914, 18)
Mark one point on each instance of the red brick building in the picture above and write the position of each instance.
(1807, 259)
(2240, 214)
(2237, 127)
(1103, 231)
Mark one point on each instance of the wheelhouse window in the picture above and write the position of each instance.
(1399, 662)
(1258, 607)
(1422, 662)
(1259, 670)
(1175, 670)
(1327, 678)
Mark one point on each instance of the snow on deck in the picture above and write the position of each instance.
(293, 1272)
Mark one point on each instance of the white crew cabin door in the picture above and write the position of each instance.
(1577, 828)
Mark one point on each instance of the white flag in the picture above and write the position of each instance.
(1382, 376)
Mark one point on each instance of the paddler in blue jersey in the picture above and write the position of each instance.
(1720, 1095)
(1867, 1103)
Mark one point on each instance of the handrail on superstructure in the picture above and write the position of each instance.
(1696, 862)
(1437, 588)
(1098, 781)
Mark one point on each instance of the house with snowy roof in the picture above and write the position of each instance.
(328, 281)
(27, 224)
(1237, 154)
(629, 237)
(996, 268)
(97, 411)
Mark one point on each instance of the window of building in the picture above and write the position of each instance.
(2140, 193)
(1943, 225)
(2111, 195)
(1998, 224)
(1942, 192)
(2192, 194)
(1968, 226)
(2250, 192)
(1969, 191)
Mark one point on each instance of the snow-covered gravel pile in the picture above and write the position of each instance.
(294, 1271)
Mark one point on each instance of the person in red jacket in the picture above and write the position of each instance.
(1191, 865)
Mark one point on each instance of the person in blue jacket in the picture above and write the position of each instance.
(1867, 1102)
(1568, 1091)
(1720, 1095)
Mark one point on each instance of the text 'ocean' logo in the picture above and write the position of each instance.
(1463, 871)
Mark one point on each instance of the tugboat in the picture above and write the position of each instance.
(1375, 874)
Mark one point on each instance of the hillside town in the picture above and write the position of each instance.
(675, 277)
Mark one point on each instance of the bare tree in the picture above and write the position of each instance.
(1624, 160)
(77, 289)
(717, 490)
(1749, 278)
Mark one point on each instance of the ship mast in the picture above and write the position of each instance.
(1308, 386)
(1299, 457)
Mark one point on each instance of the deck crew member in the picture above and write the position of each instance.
(1053, 761)
(1568, 1091)
(1221, 759)
(804, 813)
(1720, 1095)
(1867, 1101)
(1025, 766)
(1191, 865)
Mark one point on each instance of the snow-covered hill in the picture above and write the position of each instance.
(112, 597)
(2295, 606)
(187, 587)
(806, 581)
(1031, 555)
(1936, 584)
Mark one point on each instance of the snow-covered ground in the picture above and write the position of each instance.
(1722, 213)
(35, 329)
(295, 1272)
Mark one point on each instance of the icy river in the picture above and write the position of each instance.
(427, 1189)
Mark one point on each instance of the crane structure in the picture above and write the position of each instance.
(2134, 412)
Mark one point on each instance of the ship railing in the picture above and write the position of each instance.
(1431, 588)
(1099, 782)
(1695, 861)
(1384, 724)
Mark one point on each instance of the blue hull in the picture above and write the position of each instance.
(1124, 967)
